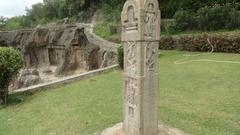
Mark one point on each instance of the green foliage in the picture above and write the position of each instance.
(168, 26)
(51, 10)
(208, 18)
(185, 20)
(10, 63)
(3, 21)
(14, 23)
(111, 10)
(102, 30)
(105, 30)
(226, 42)
(219, 17)
(45, 12)
(120, 51)
(170, 7)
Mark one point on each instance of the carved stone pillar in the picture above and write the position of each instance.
(140, 37)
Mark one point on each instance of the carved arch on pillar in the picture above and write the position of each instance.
(151, 20)
(130, 15)
(151, 9)
(154, 2)
(129, 3)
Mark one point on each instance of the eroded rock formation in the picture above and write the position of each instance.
(59, 50)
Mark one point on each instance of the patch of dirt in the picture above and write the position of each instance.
(163, 130)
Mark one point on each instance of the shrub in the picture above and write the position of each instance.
(120, 51)
(184, 20)
(234, 21)
(170, 7)
(208, 18)
(220, 42)
(168, 26)
(105, 30)
(219, 17)
(10, 63)
(102, 30)
(113, 28)
(111, 10)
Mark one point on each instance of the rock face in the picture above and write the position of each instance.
(62, 49)
(27, 78)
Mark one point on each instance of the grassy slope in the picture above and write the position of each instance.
(200, 98)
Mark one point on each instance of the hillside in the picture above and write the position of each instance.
(84, 10)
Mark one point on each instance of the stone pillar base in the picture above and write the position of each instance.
(163, 130)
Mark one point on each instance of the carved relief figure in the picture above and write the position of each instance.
(131, 92)
(131, 58)
(131, 14)
(131, 22)
(131, 119)
(150, 33)
(150, 19)
(150, 55)
(131, 100)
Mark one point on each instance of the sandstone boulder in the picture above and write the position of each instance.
(27, 78)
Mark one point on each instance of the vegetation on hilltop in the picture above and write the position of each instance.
(52, 10)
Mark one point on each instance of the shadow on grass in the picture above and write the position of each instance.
(15, 99)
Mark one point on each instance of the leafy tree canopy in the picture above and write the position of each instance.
(51, 10)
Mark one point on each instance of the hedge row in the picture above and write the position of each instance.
(229, 43)
(209, 18)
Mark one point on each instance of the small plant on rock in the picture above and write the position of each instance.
(120, 51)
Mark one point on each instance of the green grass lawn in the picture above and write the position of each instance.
(201, 98)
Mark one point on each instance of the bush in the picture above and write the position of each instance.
(170, 7)
(219, 42)
(234, 21)
(184, 20)
(105, 30)
(102, 30)
(10, 63)
(120, 51)
(208, 18)
(168, 26)
(111, 10)
(219, 17)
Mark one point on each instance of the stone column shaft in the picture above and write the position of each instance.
(140, 37)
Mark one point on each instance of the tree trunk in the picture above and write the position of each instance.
(3, 95)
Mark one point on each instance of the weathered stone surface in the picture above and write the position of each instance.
(162, 130)
(65, 80)
(26, 78)
(62, 49)
(140, 37)
(107, 54)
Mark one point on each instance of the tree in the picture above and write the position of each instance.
(17, 22)
(10, 63)
(37, 12)
(3, 21)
